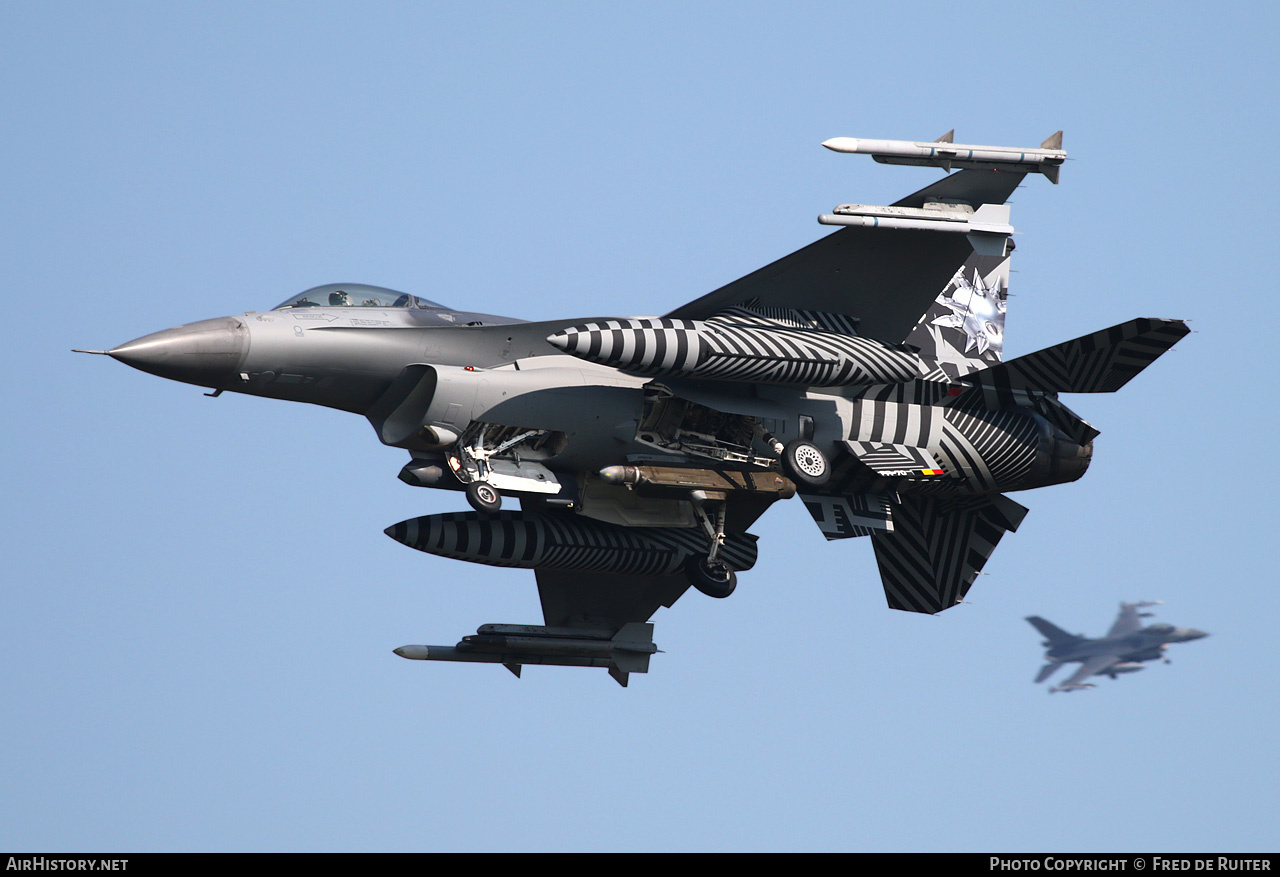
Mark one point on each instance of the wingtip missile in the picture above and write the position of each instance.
(945, 154)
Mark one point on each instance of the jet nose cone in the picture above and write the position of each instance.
(207, 353)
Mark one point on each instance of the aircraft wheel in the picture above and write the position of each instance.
(484, 497)
(713, 578)
(804, 463)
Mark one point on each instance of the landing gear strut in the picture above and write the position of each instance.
(711, 575)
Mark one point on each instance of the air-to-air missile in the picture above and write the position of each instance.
(943, 153)
(512, 645)
(987, 227)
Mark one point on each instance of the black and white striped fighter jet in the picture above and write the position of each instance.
(863, 373)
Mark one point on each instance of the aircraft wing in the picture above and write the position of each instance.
(574, 598)
(1128, 621)
(1091, 667)
(617, 604)
(886, 277)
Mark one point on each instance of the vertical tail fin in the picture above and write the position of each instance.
(965, 324)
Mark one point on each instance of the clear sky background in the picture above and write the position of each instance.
(199, 605)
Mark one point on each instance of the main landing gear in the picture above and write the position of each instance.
(483, 497)
(805, 464)
(711, 575)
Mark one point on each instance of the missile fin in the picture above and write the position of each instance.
(1053, 141)
(1051, 171)
(950, 137)
(514, 668)
(620, 676)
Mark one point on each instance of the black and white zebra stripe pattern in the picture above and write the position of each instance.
(649, 346)
(938, 547)
(1071, 424)
(564, 541)
(993, 450)
(899, 423)
(752, 313)
(741, 345)
(1102, 362)
(982, 450)
(844, 517)
(885, 458)
(1047, 405)
(923, 391)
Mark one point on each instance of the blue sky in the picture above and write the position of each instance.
(199, 604)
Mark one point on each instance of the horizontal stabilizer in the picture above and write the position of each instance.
(1102, 362)
(842, 517)
(892, 460)
(938, 547)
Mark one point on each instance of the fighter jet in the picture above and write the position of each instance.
(863, 373)
(1124, 648)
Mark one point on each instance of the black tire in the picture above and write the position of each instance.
(715, 579)
(805, 464)
(484, 497)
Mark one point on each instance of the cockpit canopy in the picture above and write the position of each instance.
(355, 295)
(1161, 628)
